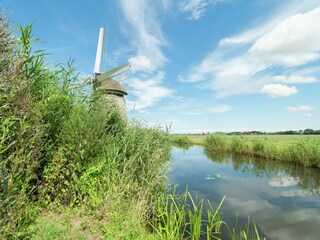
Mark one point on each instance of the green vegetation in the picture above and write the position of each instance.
(301, 150)
(183, 217)
(187, 140)
(179, 139)
(63, 151)
(71, 167)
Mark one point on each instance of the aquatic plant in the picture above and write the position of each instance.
(180, 140)
(183, 217)
(216, 142)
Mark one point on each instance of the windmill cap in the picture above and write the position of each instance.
(111, 85)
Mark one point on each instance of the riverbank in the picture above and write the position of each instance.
(181, 139)
(301, 149)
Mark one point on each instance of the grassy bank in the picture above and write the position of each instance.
(297, 149)
(181, 139)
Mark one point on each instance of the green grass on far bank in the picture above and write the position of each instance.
(299, 149)
(199, 139)
(182, 139)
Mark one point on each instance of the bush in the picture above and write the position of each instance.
(215, 142)
(179, 139)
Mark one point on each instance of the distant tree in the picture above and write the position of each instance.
(317, 132)
(308, 131)
(290, 132)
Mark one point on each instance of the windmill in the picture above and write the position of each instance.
(108, 82)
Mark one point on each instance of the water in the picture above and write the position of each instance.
(282, 199)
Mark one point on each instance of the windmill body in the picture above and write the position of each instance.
(109, 82)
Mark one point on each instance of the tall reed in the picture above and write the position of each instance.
(183, 217)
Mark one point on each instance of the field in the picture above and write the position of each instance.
(277, 139)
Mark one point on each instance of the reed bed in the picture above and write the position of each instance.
(304, 151)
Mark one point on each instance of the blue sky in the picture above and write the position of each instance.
(197, 65)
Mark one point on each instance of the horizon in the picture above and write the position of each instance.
(197, 65)
(286, 132)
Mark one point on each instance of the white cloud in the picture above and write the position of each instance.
(141, 63)
(285, 10)
(146, 34)
(205, 110)
(243, 64)
(279, 90)
(194, 107)
(147, 41)
(220, 109)
(295, 193)
(307, 71)
(294, 79)
(301, 109)
(281, 180)
(195, 131)
(147, 92)
(197, 8)
(294, 41)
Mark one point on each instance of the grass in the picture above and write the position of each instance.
(301, 149)
(181, 139)
(276, 139)
(298, 149)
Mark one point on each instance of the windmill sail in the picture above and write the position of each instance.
(119, 73)
(101, 56)
(106, 79)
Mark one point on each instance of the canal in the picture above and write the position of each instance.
(281, 198)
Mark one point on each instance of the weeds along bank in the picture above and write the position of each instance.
(305, 151)
(61, 150)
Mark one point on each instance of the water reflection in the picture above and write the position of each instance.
(277, 196)
(184, 146)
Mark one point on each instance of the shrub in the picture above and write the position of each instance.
(216, 142)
